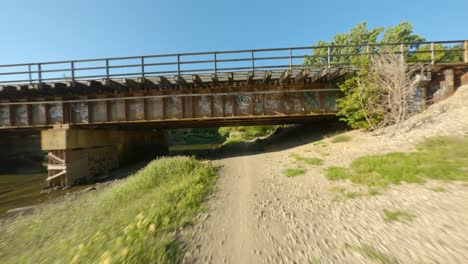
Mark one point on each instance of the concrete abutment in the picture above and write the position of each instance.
(76, 154)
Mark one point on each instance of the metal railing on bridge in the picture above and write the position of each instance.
(226, 61)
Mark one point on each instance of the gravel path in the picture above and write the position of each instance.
(257, 215)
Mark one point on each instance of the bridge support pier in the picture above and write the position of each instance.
(78, 154)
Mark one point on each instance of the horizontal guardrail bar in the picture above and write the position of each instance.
(248, 59)
(238, 51)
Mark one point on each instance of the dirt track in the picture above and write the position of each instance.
(257, 215)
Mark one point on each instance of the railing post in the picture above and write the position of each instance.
(253, 61)
(30, 75)
(290, 58)
(465, 53)
(39, 73)
(107, 69)
(432, 53)
(402, 52)
(72, 70)
(142, 67)
(215, 63)
(178, 64)
(328, 57)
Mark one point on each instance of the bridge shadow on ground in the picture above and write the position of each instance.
(283, 138)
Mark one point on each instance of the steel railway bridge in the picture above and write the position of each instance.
(125, 98)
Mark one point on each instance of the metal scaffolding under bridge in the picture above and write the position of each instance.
(239, 87)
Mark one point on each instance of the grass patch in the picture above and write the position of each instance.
(313, 260)
(336, 173)
(397, 216)
(135, 221)
(246, 132)
(352, 195)
(439, 189)
(337, 189)
(373, 192)
(320, 143)
(340, 138)
(438, 159)
(195, 136)
(344, 195)
(230, 142)
(293, 172)
(308, 161)
(236, 135)
(376, 255)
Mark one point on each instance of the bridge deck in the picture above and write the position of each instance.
(288, 96)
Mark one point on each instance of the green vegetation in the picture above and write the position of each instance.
(361, 34)
(135, 221)
(335, 173)
(337, 189)
(397, 215)
(441, 54)
(352, 195)
(343, 194)
(244, 133)
(195, 136)
(230, 142)
(373, 192)
(340, 138)
(375, 255)
(439, 189)
(293, 172)
(350, 107)
(320, 143)
(363, 105)
(308, 161)
(313, 260)
(439, 159)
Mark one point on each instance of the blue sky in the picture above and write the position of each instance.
(43, 30)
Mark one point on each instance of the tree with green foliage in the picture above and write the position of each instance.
(365, 48)
(401, 33)
(357, 40)
(358, 35)
(357, 90)
(358, 107)
(441, 54)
